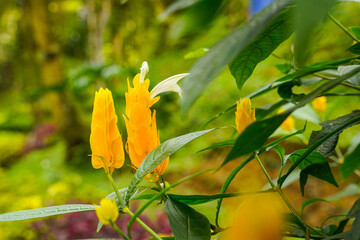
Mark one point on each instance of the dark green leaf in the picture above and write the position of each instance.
(328, 146)
(285, 68)
(285, 90)
(355, 229)
(355, 209)
(45, 212)
(313, 200)
(225, 51)
(274, 34)
(338, 236)
(351, 162)
(265, 110)
(226, 143)
(254, 136)
(200, 199)
(185, 222)
(315, 145)
(246, 161)
(280, 150)
(355, 48)
(175, 6)
(314, 164)
(355, 31)
(157, 156)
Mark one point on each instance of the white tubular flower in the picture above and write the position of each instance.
(143, 71)
(168, 85)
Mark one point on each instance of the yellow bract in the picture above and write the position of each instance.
(257, 218)
(319, 104)
(105, 140)
(289, 123)
(141, 124)
(107, 211)
(244, 114)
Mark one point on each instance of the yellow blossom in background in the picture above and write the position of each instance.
(289, 123)
(140, 121)
(105, 139)
(319, 104)
(257, 218)
(107, 211)
(244, 115)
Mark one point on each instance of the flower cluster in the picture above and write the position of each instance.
(140, 120)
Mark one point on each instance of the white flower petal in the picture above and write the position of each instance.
(168, 85)
(143, 71)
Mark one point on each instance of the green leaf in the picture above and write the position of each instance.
(198, 53)
(226, 143)
(274, 34)
(355, 31)
(156, 196)
(342, 70)
(351, 162)
(185, 222)
(176, 6)
(308, 202)
(355, 229)
(355, 209)
(254, 136)
(308, 16)
(355, 48)
(225, 51)
(284, 68)
(314, 164)
(328, 146)
(200, 199)
(45, 212)
(280, 150)
(246, 161)
(157, 156)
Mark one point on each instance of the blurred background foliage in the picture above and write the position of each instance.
(54, 55)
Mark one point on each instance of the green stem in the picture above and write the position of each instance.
(121, 201)
(347, 31)
(292, 209)
(113, 225)
(142, 224)
(264, 170)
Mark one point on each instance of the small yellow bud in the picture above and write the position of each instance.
(244, 115)
(288, 124)
(319, 104)
(340, 161)
(107, 211)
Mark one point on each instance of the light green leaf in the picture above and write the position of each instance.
(157, 156)
(45, 212)
(198, 53)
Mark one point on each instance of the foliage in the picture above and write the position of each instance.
(65, 102)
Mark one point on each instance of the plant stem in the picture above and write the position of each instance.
(292, 209)
(264, 170)
(113, 225)
(347, 31)
(142, 224)
(121, 201)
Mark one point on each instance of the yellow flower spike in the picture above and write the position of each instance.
(107, 211)
(319, 104)
(289, 123)
(140, 121)
(244, 115)
(257, 218)
(105, 139)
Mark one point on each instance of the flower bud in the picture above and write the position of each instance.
(107, 211)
